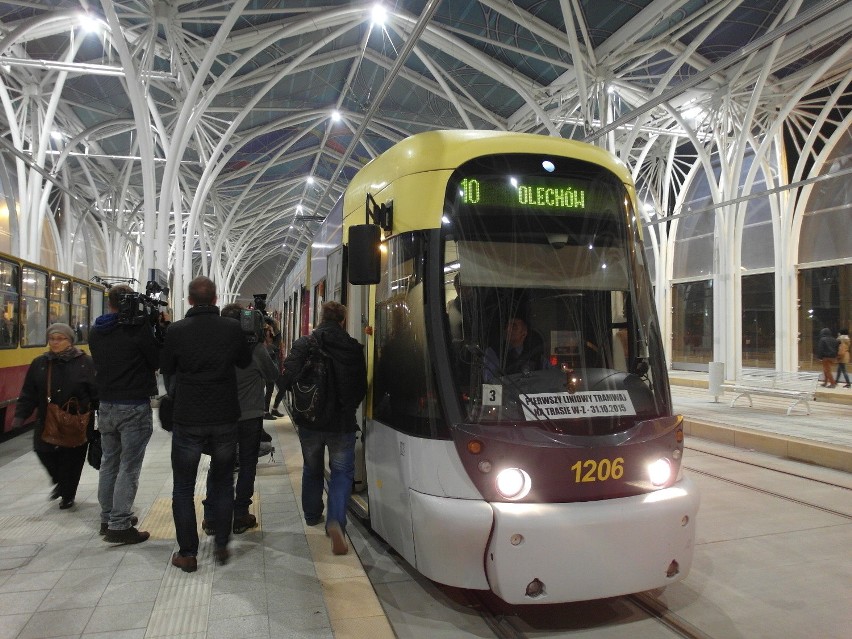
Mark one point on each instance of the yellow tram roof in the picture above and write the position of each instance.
(445, 151)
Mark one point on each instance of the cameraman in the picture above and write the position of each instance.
(126, 359)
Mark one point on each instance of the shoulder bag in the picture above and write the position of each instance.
(64, 425)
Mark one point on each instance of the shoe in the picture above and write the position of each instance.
(243, 523)
(832, 385)
(847, 386)
(187, 564)
(269, 416)
(222, 556)
(315, 521)
(126, 536)
(55, 493)
(338, 539)
(277, 413)
(264, 436)
(208, 527)
(104, 527)
(66, 504)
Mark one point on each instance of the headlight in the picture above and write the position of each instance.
(660, 472)
(513, 483)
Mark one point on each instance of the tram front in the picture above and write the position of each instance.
(555, 386)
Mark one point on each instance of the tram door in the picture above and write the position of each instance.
(355, 299)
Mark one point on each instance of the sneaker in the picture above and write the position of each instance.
(277, 413)
(314, 521)
(187, 564)
(338, 539)
(269, 416)
(127, 536)
(66, 503)
(105, 526)
(208, 527)
(243, 523)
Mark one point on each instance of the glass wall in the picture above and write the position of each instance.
(692, 325)
(825, 301)
(758, 317)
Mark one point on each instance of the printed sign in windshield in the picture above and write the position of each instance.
(544, 406)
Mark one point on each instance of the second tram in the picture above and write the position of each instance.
(33, 297)
(518, 434)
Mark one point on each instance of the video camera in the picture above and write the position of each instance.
(136, 309)
(251, 323)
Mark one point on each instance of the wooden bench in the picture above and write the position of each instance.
(800, 387)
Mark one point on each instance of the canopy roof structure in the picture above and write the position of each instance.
(210, 136)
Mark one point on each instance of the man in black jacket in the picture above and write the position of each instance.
(126, 358)
(350, 375)
(201, 351)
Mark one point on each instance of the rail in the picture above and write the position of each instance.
(800, 387)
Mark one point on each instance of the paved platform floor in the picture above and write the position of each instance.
(59, 579)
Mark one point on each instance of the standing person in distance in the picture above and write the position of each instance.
(202, 351)
(72, 374)
(827, 352)
(338, 435)
(251, 384)
(126, 359)
(843, 356)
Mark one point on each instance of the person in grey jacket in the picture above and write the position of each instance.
(251, 384)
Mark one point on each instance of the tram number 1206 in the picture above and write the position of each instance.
(598, 470)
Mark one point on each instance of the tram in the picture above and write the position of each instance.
(518, 433)
(33, 297)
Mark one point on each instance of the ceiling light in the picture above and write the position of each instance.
(379, 15)
(335, 116)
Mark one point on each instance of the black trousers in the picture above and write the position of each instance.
(64, 465)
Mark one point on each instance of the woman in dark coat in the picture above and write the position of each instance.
(72, 375)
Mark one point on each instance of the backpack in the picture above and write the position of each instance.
(313, 391)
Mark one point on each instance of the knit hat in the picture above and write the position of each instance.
(59, 327)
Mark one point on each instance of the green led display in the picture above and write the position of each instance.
(550, 194)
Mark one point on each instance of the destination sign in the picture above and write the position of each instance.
(541, 193)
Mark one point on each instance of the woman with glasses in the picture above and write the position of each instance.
(71, 374)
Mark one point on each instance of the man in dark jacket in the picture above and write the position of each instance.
(126, 358)
(350, 375)
(201, 352)
(251, 387)
(827, 352)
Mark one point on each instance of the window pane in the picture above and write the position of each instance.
(825, 296)
(34, 307)
(403, 389)
(758, 295)
(692, 325)
(9, 295)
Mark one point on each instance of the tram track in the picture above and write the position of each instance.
(772, 493)
(507, 625)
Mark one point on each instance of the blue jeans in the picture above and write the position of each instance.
(341, 459)
(125, 432)
(248, 446)
(220, 442)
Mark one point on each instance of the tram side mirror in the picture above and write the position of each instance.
(365, 260)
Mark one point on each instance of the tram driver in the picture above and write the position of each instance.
(523, 351)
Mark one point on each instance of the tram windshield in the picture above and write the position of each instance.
(549, 312)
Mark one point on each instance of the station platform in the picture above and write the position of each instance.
(58, 578)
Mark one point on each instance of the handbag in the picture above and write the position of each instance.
(166, 412)
(62, 427)
(96, 451)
